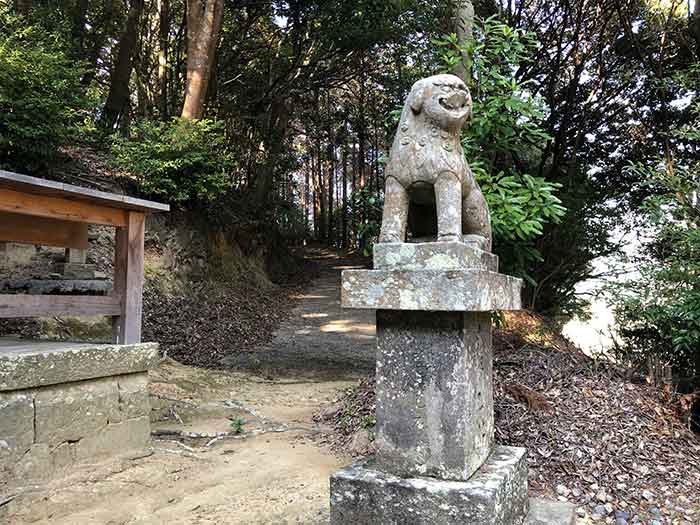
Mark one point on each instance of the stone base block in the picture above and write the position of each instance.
(81, 415)
(80, 271)
(495, 495)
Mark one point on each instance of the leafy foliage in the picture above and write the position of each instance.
(506, 123)
(658, 311)
(181, 161)
(520, 203)
(506, 117)
(41, 100)
(237, 425)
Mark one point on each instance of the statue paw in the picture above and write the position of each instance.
(481, 241)
(389, 238)
(450, 237)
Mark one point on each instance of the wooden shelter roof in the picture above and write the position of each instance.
(35, 186)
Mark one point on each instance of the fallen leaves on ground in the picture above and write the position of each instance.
(207, 324)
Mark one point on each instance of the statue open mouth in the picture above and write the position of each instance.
(454, 102)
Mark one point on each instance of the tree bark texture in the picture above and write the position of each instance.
(695, 26)
(163, 44)
(464, 27)
(204, 19)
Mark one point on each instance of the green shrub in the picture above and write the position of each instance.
(506, 122)
(42, 101)
(658, 311)
(179, 161)
(237, 425)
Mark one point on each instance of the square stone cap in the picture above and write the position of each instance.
(32, 364)
(433, 256)
(430, 290)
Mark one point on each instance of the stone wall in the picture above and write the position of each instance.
(44, 430)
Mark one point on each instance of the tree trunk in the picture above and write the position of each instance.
(464, 27)
(317, 197)
(78, 19)
(177, 84)
(345, 197)
(203, 26)
(118, 98)
(354, 218)
(305, 196)
(142, 101)
(323, 225)
(277, 123)
(331, 185)
(163, 42)
(361, 160)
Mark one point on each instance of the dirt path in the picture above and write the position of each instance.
(275, 471)
(321, 340)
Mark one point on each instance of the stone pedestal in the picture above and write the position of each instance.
(434, 393)
(436, 462)
(76, 267)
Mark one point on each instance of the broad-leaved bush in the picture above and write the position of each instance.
(181, 161)
(506, 126)
(657, 308)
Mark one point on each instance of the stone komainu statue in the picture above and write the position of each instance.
(427, 173)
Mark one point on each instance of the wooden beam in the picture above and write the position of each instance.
(60, 208)
(13, 306)
(39, 230)
(128, 279)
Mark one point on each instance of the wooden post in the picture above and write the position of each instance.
(128, 279)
